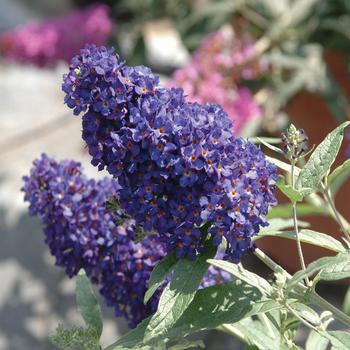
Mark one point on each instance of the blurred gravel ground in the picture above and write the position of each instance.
(34, 294)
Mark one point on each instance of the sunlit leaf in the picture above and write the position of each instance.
(321, 159)
(159, 274)
(87, 303)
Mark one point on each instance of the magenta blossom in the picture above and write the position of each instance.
(214, 75)
(58, 39)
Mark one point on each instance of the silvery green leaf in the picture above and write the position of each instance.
(246, 276)
(186, 344)
(346, 303)
(293, 194)
(315, 267)
(88, 304)
(307, 236)
(210, 308)
(179, 293)
(283, 165)
(256, 335)
(276, 225)
(338, 177)
(321, 159)
(285, 211)
(340, 340)
(338, 24)
(268, 145)
(159, 274)
(306, 313)
(316, 341)
(338, 270)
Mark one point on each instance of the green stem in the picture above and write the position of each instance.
(336, 214)
(296, 229)
(267, 324)
(229, 328)
(314, 297)
(324, 304)
(269, 262)
(302, 320)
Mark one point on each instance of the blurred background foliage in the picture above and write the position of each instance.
(294, 37)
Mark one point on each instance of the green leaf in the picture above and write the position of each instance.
(266, 144)
(87, 303)
(284, 211)
(321, 159)
(133, 339)
(256, 335)
(307, 236)
(316, 342)
(340, 340)
(300, 10)
(337, 270)
(280, 224)
(78, 338)
(346, 303)
(283, 165)
(268, 140)
(313, 268)
(179, 293)
(338, 177)
(186, 344)
(306, 313)
(159, 274)
(246, 276)
(211, 307)
(290, 192)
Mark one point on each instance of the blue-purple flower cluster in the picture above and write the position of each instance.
(178, 164)
(82, 233)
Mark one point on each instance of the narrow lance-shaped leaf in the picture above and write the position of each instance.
(307, 236)
(255, 334)
(283, 165)
(88, 304)
(338, 177)
(321, 159)
(313, 268)
(159, 274)
(346, 303)
(246, 276)
(268, 145)
(306, 313)
(285, 211)
(280, 224)
(316, 341)
(186, 344)
(293, 194)
(211, 307)
(340, 340)
(336, 271)
(179, 293)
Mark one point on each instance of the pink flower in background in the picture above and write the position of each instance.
(58, 39)
(215, 72)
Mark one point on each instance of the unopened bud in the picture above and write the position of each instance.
(295, 143)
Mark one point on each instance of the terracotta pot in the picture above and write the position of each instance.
(311, 113)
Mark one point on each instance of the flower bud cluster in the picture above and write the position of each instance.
(295, 143)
